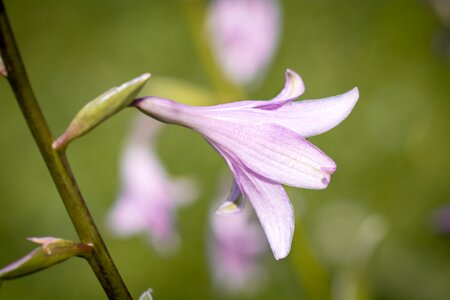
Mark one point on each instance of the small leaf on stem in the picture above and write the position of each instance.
(100, 109)
(51, 252)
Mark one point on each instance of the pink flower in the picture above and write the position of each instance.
(244, 36)
(149, 197)
(264, 144)
(236, 250)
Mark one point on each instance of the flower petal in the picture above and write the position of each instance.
(313, 117)
(274, 152)
(233, 204)
(273, 208)
(270, 201)
(293, 88)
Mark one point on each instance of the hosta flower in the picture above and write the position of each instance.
(149, 197)
(264, 144)
(236, 248)
(244, 36)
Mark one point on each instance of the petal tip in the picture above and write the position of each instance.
(295, 82)
(355, 93)
(327, 172)
(228, 208)
(281, 255)
(353, 96)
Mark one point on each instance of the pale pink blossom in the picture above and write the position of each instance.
(149, 196)
(244, 35)
(264, 144)
(236, 249)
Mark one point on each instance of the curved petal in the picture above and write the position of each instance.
(234, 202)
(274, 152)
(169, 111)
(307, 118)
(293, 88)
(273, 208)
(270, 201)
(313, 117)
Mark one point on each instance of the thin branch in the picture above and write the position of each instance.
(100, 262)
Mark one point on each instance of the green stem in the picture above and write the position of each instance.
(100, 262)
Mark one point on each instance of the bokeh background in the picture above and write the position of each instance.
(370, 235)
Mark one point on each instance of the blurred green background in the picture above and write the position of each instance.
(392, 152)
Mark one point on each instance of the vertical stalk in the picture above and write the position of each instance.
(100, 262)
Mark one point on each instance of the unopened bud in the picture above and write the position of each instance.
(100, 109)
(51, 252)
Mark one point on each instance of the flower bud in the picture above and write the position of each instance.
(100, 109)
(51, 252)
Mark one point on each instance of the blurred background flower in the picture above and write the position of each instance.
(392, 151)
(441, 219)
(149, 197)
(244, 36)
(236, 244)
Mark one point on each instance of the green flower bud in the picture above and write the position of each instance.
(100, 109)
(51, 252)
